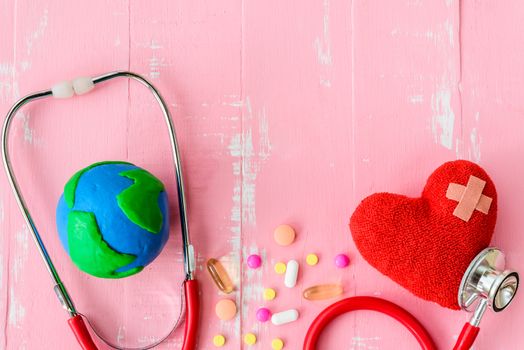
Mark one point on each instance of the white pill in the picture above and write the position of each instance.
(63, 89)
(83, 85)
(284, 317)
(290, 279)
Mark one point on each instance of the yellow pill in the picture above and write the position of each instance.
(312, 259)
(219, 340)
(269, 294)
(280, 268)
(277, 344)
(250, 339)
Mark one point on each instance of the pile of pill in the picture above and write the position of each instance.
(226, 309)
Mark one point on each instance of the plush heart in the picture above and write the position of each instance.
(419, 242)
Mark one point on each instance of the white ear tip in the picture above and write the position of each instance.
(83, 85)
(63, 89)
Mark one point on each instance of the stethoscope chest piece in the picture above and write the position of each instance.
(486, 280)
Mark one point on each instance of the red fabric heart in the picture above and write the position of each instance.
(418, 242)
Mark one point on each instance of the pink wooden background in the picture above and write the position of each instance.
(287, 112)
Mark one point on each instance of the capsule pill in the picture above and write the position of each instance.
(220, 276)
(322, 291)
(284, 317)
(290, 279)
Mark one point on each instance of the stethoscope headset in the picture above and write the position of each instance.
(81, 86)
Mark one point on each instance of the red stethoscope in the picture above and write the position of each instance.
(485, 284)
(81, 86)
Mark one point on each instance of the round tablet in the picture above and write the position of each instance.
(269, 294)
(341, 260)
(263, 314)
(284, 235)
(254, 261)
(219, 340)
(226, 309)
(280, 268)
(312, 259)
(250, 339)
(277, 344)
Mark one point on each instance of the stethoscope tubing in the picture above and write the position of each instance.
(371, 304)
(191, 288)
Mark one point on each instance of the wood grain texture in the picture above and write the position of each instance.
(287, 112)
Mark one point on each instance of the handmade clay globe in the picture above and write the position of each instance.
(112, 219)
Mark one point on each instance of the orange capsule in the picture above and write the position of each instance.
(322, 291)
(220, 276)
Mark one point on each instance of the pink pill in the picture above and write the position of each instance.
(263, 314)
(254, 261)
(341, 260)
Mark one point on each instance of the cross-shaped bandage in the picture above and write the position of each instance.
(469, 198)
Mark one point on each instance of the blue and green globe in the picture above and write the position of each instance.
(113, 219)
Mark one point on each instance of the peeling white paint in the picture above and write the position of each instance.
(1, 272)
(155, 63)
(237, 104)
(437, 34)
(448, 28)
(325, 82)
(363, 343)
(8, 85)
(16, 310)
(443, 118)
(459, 148)
(248, 157)
(249, 174)
(241, 146)
(233, 261)
(250, 167)
(38, 33)
(22, 251)
(25, 117)
(475, 142)
(323, 45)
(120, 336)
(416, 99)
(2, 211)
(235, 146)
(264, 143)
(25, 65)
(7, 69)
(154, 45)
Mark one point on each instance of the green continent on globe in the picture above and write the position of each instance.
(139, 202)
(70, 186)
(90, 252)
